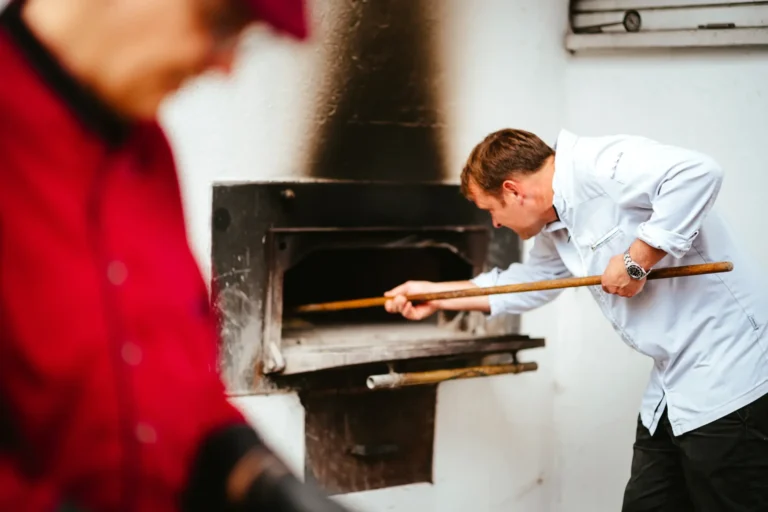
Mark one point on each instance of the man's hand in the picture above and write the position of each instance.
(399, 304)
(616, 280)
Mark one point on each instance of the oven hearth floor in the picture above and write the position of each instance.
(322, 347)
(364, 335)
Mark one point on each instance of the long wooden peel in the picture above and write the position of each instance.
(570, 282)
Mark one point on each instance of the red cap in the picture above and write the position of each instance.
(284, 15)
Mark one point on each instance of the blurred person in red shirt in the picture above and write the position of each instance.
(110, 398)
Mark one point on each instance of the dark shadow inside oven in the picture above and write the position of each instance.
(353, 273)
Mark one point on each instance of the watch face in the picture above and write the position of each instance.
(635, 272)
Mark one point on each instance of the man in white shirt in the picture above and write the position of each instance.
(619, 206)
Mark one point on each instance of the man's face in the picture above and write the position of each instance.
(173, 42)
(510, 209)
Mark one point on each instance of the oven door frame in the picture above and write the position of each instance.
(286, 247)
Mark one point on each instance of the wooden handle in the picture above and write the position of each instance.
(570, 282)
(398, 380)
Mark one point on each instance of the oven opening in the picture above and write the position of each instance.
(343, 274)
(353, 273)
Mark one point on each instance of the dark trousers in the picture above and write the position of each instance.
(720, 467)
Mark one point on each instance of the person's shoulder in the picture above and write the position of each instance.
(592, 147)
(153, 130)
(596, 156)
(154, 137)
(583, 162)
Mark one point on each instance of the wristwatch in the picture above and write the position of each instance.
(634, 270)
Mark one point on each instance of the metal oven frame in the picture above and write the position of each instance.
(261, 229)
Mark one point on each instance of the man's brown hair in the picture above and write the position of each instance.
(500, 155)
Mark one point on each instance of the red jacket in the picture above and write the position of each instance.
(108, 363)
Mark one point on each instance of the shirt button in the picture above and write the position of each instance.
(145, 433)
(117, 273)
(131, 353)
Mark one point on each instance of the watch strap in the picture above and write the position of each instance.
(634, 269)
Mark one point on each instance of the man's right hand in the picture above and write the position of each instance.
(399, 303)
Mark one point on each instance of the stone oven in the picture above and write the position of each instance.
(278, 245)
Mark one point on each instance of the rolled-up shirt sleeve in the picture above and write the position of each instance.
(543, 263)
(678, 185)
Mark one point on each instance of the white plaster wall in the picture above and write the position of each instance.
(560, 438)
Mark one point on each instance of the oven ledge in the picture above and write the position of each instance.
(334, 347)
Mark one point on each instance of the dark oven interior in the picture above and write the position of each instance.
(345, 273)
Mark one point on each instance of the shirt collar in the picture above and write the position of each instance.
(554, 226)
(90, 110)
(563, 145)
(563, 163)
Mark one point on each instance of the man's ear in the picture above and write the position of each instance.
(512, 187)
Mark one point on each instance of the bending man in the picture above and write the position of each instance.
(620, 206)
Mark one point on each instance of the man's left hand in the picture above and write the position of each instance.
(616, 280)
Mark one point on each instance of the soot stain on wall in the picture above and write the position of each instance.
(381, 119)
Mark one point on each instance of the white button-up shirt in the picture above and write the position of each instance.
(705, 333)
